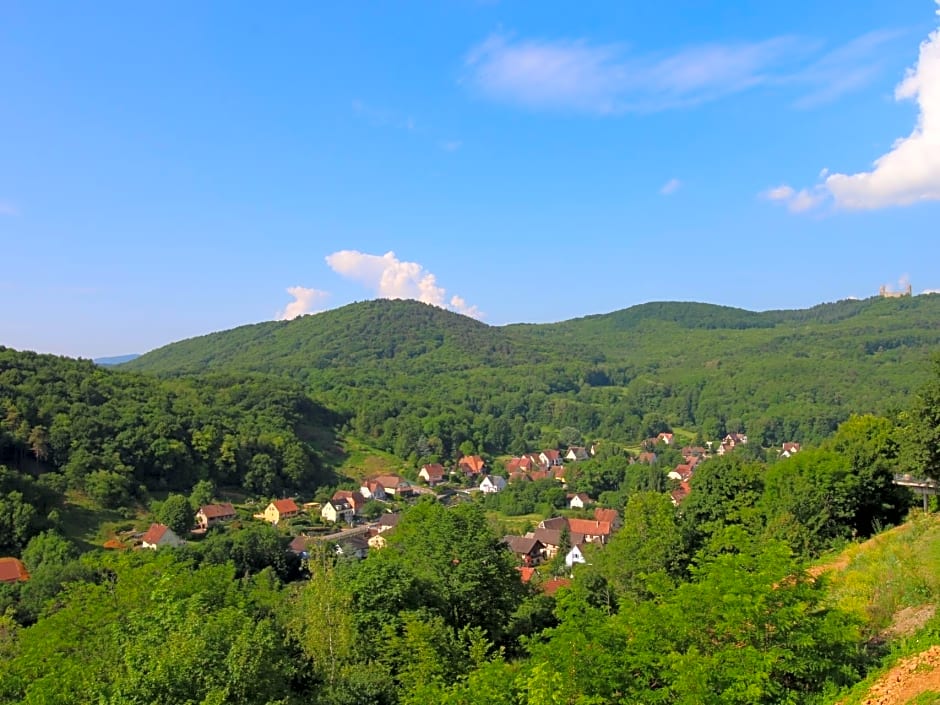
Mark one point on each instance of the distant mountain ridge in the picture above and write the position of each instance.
(116, 359)
(702, 366)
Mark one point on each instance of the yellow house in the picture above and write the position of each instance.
(281, 509)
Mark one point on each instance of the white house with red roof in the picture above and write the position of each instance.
(159, 535)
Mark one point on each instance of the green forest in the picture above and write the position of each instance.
(705, 602)
(398, 371)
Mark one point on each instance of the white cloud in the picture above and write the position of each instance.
(930, 291)
(603, 79)
(305, 302)
(910, 172)
(391, 278)
(670, 187)
(796, 201)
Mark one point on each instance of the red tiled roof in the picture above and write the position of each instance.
(285, 505)
(474, 463)
(12, 570)
(552, 586)
(589, 527)
(154, 533)
(607, 515)
(526, 573)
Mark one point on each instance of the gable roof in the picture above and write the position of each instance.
(589, 527)
(552, 454)
(548, 537)
(12, 570)
(524, 545)
(389, 519)
(390, 481)
(353, 497)
(154, 533)
(609, 515)
(553, 523)
(583, 496)
(285, 505)
(435, 471)
(300, 544)
(217, 511)
(472, 463)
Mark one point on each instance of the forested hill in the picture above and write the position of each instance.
(402, 370)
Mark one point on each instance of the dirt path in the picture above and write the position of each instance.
(911, 677)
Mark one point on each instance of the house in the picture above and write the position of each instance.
(527, 549)
(300, 546)
(12, 570)
(680, 493)
(680, 472)
(730, 441)
(394, 485)
(576, 453)
(388, 521)
(693, 452)
(372, 489)
(352, 547)
(611, 516)
(160, 535)
(492, 483)
(337, 510)
(550, 539)
(592, 530)
(212, 514)
(353, 497)
(575, 555)
(281, 509)
(471, 465)
(666, 438)
(554, 523)
(433, 473)
(789, 449)
(522, 464)
(646, 457)
(551, 458)
(579, 500)
(550, 587)
(519, 476)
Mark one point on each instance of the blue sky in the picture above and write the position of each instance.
(171, 169)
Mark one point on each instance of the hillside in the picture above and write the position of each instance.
(401, 369)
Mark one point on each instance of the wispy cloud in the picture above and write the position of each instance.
(670, 187)
(606, 79)
(7, 208)
(844, 69)
(305, 301)
(910, 172)
(583, 76)
(391, 278)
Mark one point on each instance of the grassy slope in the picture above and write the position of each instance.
(892, 582)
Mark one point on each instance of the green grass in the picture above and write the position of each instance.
(896, 572)
(517, 525)
(361, 461)
(88, 526)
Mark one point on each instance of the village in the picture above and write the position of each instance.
(353, 522)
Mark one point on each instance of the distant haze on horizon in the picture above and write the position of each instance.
(167, 175)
